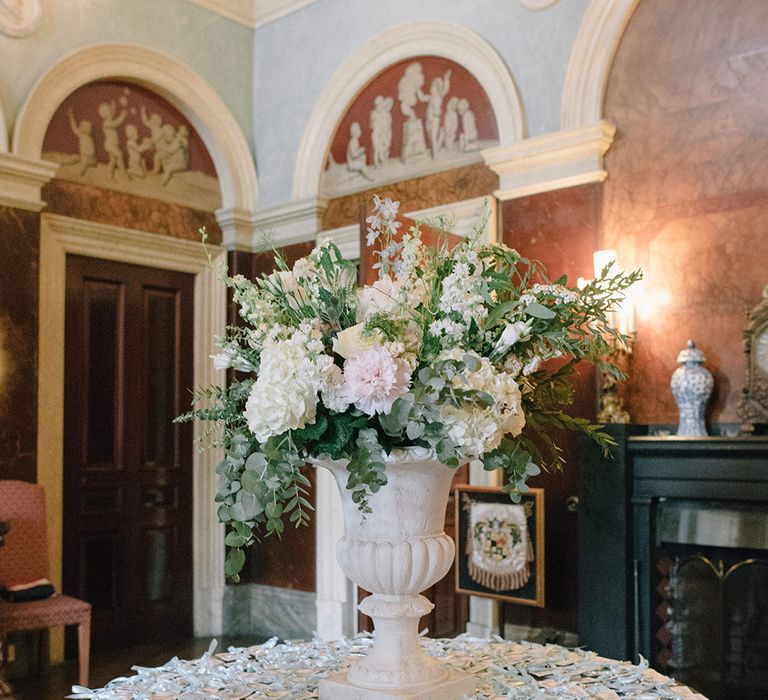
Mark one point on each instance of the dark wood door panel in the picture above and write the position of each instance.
(127, 466)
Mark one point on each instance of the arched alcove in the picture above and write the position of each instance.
(174, 81)
(440, 39)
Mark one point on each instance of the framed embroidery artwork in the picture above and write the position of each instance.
(500, 545)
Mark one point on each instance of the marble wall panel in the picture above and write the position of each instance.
(560, 229)
(419, 193)
(91, 203)
(686, 196)
(19, 252)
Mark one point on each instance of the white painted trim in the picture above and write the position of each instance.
(60, 236)
(21, 180)
(3, 132)
(444, 39)
(591, 59)
(236, 226)
(347, 238)
(551, 162)
(336, 595)
(253, 13)
(462, 217)
(286, 224)
(483, 612)
(176, 82)
(537, 4)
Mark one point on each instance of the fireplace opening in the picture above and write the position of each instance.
(710, 597)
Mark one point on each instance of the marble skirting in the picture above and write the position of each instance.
(264, 611)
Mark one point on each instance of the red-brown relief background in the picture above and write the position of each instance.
(462, 84)
(84, 103)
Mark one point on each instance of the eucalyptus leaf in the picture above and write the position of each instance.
(539, 311)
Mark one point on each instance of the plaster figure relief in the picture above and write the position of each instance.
(87, 156)
(356, 158)
(110, 121)
(468, 138)
(381, 129)
(437, 91)
(430, 131)
(126, 141)
(19, 17)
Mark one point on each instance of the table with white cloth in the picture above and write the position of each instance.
(292, 670)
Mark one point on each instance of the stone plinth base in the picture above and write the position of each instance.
(455, 686)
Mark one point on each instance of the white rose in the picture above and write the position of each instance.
(383, 296)
(221, 360)
(286, 280)
(351, 341)
(511, 334)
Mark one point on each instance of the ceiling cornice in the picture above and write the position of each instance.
(253, 13)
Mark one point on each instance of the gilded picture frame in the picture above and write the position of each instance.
(500, 545)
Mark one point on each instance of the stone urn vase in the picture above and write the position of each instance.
(691, 386)
(395, 552)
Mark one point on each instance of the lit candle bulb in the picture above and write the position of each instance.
(601, 258)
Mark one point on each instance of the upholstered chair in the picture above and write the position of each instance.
(24, 559)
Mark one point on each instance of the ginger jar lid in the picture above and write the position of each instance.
(691, 354)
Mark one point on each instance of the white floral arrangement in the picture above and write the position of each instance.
(447, 350)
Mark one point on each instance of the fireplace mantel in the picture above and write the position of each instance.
(618, 501)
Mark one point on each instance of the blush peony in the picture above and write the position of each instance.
(374, 379)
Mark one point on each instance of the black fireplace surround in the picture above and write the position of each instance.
(673, 557)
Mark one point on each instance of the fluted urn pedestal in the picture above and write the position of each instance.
(397, 551)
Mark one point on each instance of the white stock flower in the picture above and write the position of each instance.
(450, 332)
(461, 292)
(532, 365)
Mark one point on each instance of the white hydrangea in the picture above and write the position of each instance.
(293, 370)
(470, 431)
(476, 431)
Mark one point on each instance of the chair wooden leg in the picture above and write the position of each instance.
(42, 648)
(84, 649)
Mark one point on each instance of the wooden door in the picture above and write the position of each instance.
(127, 467)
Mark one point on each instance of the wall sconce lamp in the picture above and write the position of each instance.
(611, 409)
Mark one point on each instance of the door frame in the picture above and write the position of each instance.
(59, 236)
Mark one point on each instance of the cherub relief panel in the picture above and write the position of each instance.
(419, 116)
(124, 137)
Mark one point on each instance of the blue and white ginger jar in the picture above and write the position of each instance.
(691, 386)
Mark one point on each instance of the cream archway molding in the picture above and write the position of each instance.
(591, 59)
(3, 132)
(176, 82)
(444, 39)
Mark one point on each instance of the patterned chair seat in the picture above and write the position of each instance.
(60, 610)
